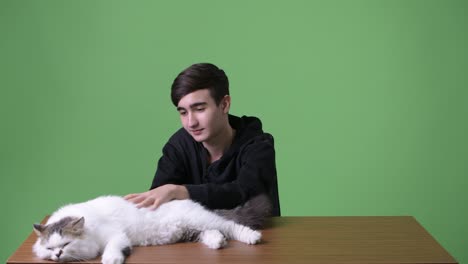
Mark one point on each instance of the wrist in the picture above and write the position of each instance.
(179, 192)
(184, 192)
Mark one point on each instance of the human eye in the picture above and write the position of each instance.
(200, 109)
(182, 113)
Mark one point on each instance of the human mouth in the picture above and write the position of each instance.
(196, 132)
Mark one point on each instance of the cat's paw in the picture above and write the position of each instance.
(213, 239)
(250, 236)
(113, 257)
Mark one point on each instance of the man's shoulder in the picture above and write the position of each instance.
(259, 143)
(260, 147)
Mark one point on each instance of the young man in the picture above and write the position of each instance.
(216, 159)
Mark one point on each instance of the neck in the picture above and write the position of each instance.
(219, 145)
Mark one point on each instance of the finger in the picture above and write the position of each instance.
(130, 196)
(146, 202)
(155, 205)
(137, 199)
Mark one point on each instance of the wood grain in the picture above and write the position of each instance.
(294, 240)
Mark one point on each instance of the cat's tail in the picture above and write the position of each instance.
(252, 214)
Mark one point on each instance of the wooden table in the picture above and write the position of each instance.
(290, 240)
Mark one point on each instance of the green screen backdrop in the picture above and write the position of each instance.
(367, 101)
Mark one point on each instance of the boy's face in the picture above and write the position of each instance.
(201, 117)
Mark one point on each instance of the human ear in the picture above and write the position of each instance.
(226, 103)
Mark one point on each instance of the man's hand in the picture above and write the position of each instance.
(154, 198)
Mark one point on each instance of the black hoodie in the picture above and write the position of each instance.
(246, 169)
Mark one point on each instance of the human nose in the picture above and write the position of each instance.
(192, 120)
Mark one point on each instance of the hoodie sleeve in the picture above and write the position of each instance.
(170, 169)
(256, 174)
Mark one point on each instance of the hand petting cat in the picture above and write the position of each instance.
(152, 199)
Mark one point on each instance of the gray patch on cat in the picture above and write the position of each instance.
(252, 214)
(127, 251)
(57, 227)
(190, 235)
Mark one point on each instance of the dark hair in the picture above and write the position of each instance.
(200, 76)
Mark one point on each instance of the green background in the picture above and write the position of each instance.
(367, 101)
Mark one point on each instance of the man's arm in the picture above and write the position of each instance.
(167, 185)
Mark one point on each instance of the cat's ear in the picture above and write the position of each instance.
(77, 226)
(38, 229)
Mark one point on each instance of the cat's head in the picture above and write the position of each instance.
(65, 240)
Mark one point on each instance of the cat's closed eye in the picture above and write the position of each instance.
(62, 246)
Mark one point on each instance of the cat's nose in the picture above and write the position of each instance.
(59, 254)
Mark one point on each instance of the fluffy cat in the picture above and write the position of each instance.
(110, 226)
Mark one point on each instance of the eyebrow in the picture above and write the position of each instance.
(194, 105)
